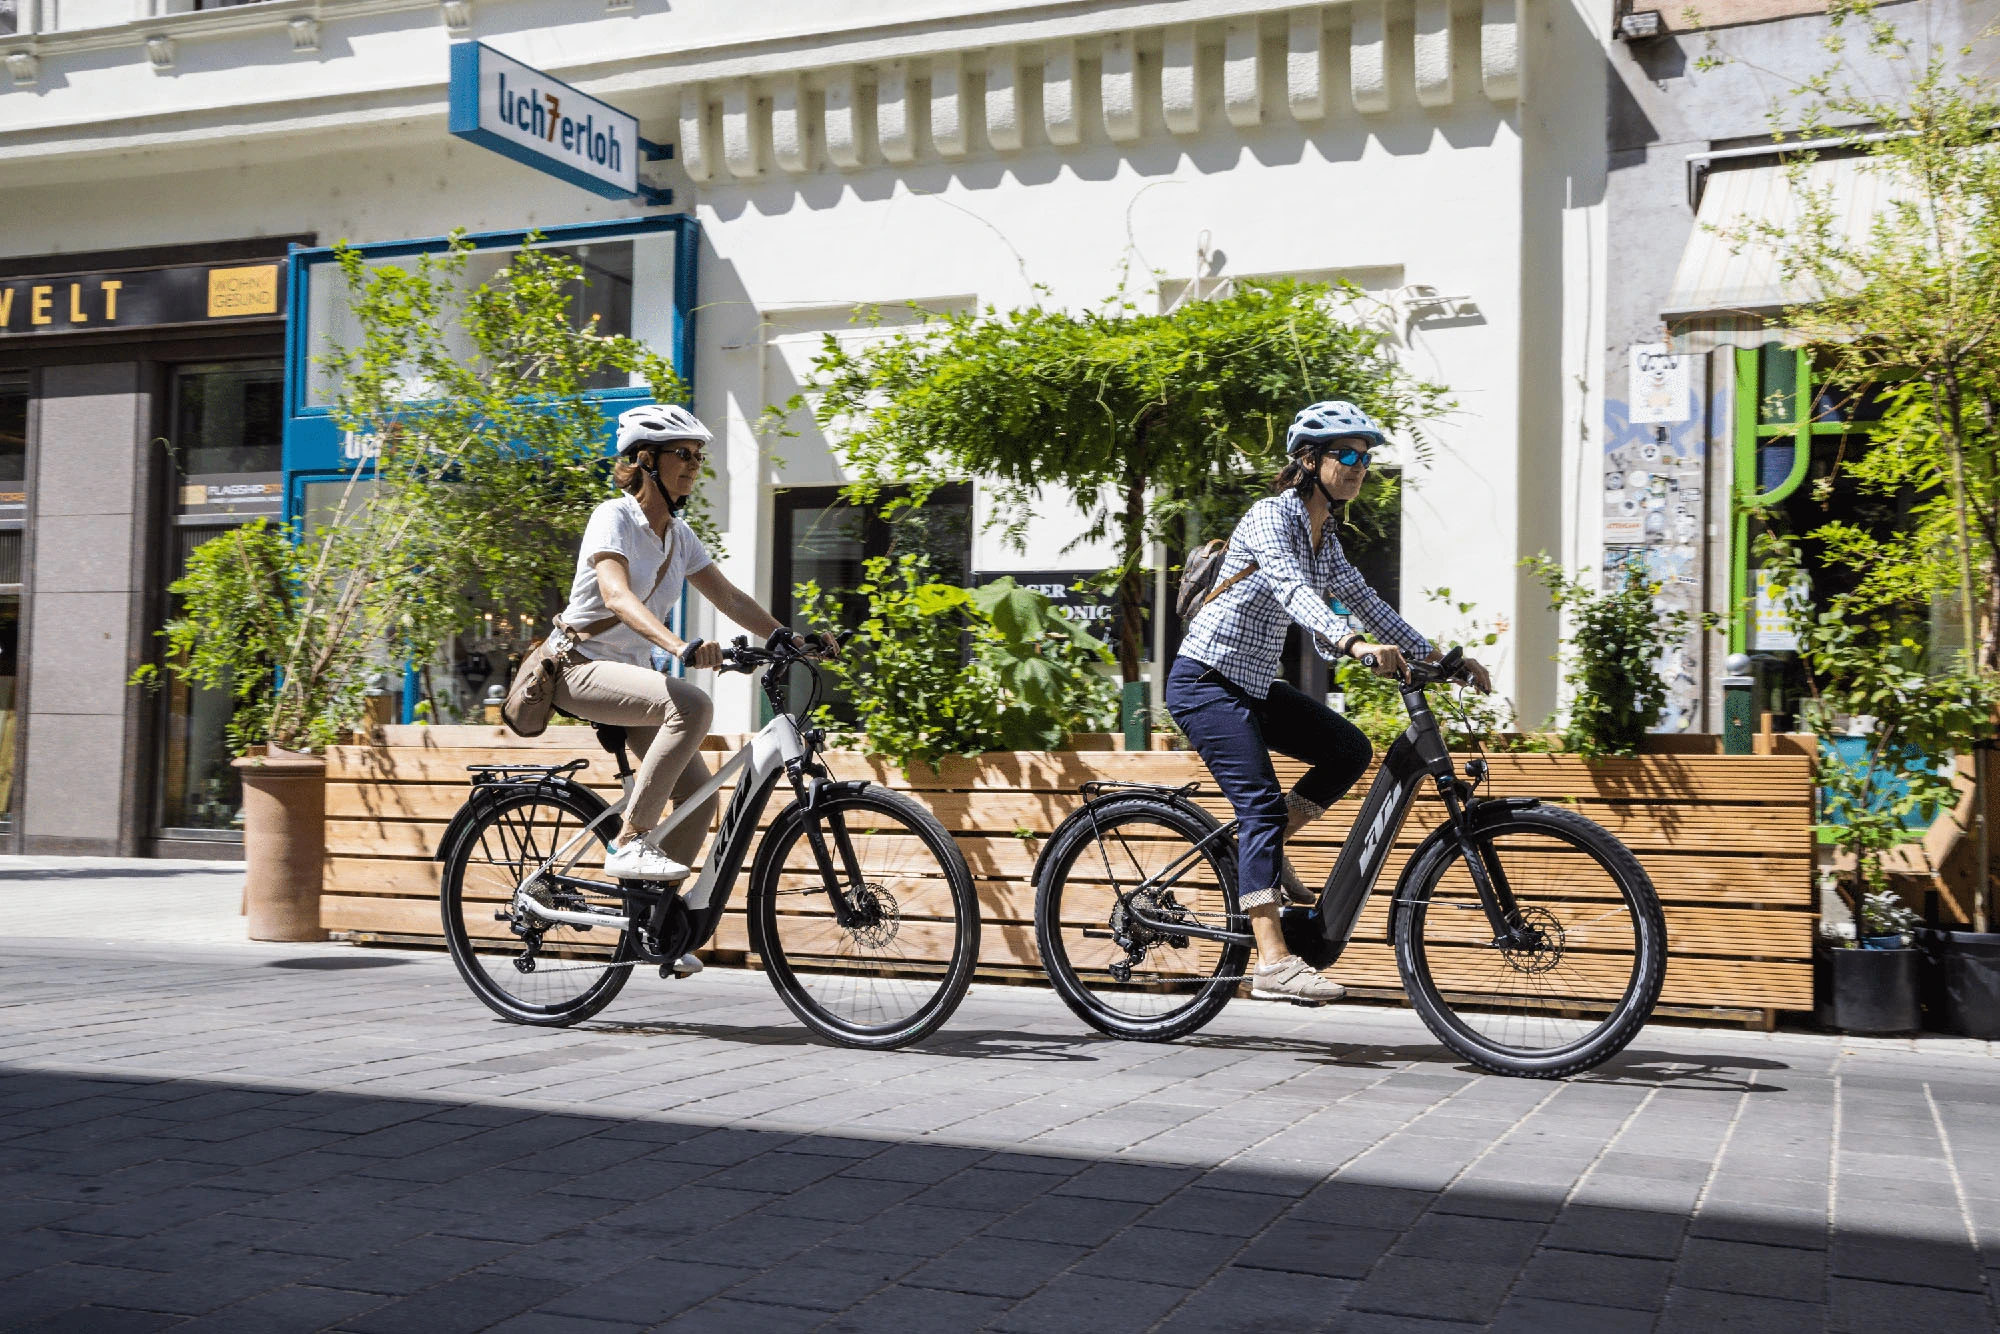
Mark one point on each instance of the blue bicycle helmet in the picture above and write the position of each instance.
(1330, 420)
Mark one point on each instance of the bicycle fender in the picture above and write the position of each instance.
(1482, 813)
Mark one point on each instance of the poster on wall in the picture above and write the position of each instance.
(1659, 386)
(1771, 628)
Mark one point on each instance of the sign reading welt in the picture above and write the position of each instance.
(139, 298)
(516, 110)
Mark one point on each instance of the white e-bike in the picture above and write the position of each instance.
(860, 905)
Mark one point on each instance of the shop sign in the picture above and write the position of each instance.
(1079, 597)
(236, 494)
(522, 113)
(191, 294)
(13, 504)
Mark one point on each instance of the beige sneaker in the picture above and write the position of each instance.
(1293, 979)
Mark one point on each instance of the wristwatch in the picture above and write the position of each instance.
(1346, 646)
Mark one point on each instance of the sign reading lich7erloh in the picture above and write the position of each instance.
(515, 109)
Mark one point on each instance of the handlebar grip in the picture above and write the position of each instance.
(1367, 660)
(688, 651)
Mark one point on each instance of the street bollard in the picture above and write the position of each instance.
(1738, 688)
(1132, 713)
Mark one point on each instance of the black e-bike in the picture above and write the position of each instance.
(1528, 938)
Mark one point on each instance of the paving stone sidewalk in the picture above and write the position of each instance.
(202, 1134)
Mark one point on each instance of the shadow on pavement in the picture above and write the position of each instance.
(208, 1205)
(338, 963)
(120, 872)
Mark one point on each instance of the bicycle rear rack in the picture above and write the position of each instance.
(1096, 787)
(519, 773)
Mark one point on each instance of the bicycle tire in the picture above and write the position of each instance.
(1576, 912)
(915, 860)
(498, 832)
(1073, 842)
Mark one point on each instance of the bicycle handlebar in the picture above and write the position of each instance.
(1420, 674)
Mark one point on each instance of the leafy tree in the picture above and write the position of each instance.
(1156, 426)
(1864, 661)
(491, 459)
(1033, 678)
(1907, 311)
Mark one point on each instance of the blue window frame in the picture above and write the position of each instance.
(315, 447)
(317, 450)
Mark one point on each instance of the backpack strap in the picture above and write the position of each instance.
(1229, 583)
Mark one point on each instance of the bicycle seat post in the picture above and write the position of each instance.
(613, 740)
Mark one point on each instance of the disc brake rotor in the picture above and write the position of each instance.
(1546, 950)
(876, 916)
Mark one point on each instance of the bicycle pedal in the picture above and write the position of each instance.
(685, 966)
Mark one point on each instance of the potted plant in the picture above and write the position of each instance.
(1867, 661)
(477, 395)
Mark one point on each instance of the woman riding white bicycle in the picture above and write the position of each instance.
(1284, 564)
(638, 542)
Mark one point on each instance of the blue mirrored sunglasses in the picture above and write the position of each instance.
(1347, 455)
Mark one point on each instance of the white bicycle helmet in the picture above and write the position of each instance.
(1330, 420)
(656, 423)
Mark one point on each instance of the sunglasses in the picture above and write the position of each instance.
(683, 453)
(1347, 456)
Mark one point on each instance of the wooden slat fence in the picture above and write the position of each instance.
(1726, 839)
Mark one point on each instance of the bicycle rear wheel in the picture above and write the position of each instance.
(1588, 982)
(1115, 973)
(556, 974)
(886, 964)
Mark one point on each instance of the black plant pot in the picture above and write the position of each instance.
(1875, 991)
(1962, 982)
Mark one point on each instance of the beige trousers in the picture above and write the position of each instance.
(666, 719)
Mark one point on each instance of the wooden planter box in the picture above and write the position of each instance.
(1727, 840)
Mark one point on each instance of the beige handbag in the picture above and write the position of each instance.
(531, 696)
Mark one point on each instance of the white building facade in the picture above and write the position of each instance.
(1446, 155)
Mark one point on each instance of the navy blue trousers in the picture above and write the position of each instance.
(1235, 733)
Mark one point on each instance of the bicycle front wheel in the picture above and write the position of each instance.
(1107, 866)
(881, 957)
(1578, 991)
(547, 974)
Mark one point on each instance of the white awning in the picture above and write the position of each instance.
(1722, 274)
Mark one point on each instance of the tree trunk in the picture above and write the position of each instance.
(1132, 587)
(1976, 661)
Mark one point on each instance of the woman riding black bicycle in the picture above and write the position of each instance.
(1284, 563)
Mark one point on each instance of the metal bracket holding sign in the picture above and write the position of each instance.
(541, 122)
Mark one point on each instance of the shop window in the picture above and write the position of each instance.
(226, 437)
(626, 289)
(818, 537)
(13, 509)
(1794, 430)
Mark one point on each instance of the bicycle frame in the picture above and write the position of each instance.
(1320, 934)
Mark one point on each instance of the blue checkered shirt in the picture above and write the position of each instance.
(1242, 633)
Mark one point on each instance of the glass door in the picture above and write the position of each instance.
(13, 513)
(226, 432)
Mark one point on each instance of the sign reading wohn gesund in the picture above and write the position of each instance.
(511, 108)
(189, 294)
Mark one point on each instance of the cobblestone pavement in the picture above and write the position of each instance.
(214, 1136)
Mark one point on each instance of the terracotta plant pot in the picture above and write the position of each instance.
(284, 844)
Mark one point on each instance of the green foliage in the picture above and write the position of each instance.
(1616, 641)
(1154, 425)
(1908, 309)
(1864, 661)
(1033, 679)
(490, 462)
(1471, 720)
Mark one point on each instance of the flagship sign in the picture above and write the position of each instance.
(521, 112)
(192, 294)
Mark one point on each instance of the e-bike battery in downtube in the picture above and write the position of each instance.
(1319, 934)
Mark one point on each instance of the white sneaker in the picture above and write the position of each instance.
(1293, 979)
(639, 860)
